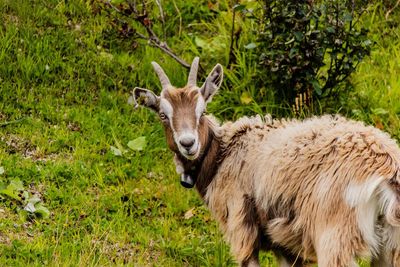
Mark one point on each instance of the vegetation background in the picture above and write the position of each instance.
(86, 180)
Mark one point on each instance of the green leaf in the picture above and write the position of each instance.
(250, 46)
(116, 151)
(347, 17)
(299, 36)
(42, 211)
(379, 111)
(200, 42)
(239, 7)
(13, 189)
(1, 170)
(367, 42)
(293, 52)
(34, 199)
(245, 98)
(16, 185)
(317, 87)
(23, 215)
(138, 143)
(9, 193)
(330, 29)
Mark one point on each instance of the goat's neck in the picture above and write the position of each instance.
(205, 167)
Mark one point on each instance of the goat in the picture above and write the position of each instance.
(324, 190)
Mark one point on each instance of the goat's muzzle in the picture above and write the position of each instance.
(187, 181)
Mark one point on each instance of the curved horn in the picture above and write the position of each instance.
(165, 83)
(192, 80)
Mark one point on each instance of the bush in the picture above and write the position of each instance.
(307, 49)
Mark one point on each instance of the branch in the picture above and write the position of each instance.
(163, 46)
(151, 36)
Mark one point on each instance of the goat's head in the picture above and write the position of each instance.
(181, 109)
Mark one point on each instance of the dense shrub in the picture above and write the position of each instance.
(307, 49)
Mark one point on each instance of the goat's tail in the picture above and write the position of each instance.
(390, 198)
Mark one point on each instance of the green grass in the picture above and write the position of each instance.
(377, 83)
(64, 85)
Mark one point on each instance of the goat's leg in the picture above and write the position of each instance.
(334, 248)
(335, 260)
(389, 254)
(252, 261)
(245, 246)
(381, 261)
(243, 232)
(395, 257)
(283, 262)
(288, 261)
(387, 259)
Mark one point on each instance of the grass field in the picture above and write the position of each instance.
(98, 172)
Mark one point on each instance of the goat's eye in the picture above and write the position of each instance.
(163, 116)
(204, 113)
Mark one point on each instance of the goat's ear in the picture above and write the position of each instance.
(144, 97)
(212, 83)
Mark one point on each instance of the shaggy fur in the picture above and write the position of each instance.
(323, 190)
(318, 188)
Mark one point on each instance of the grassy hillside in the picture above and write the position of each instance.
(65, 126)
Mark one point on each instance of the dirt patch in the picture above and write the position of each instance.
(3, 117)
(18, 145)
(24, 232)
(116, 251)
(4, 240)
(15, 144)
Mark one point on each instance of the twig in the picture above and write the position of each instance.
(231, 54)
(391, 10)
(158, 2)
(180, 18)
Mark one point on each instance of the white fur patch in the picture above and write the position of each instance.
(367, 215)
(166, 107)
(195, 148)
(364, 198)
(361, 193)
(389, 204)
(178, 165)
(387, 198)
(200, 107)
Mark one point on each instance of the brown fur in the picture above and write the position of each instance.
(184, 103)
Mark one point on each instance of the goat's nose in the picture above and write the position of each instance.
(187, 142)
